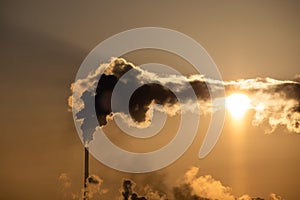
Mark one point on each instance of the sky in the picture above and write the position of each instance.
(43, 45)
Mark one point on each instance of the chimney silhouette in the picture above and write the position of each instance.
(86, 173)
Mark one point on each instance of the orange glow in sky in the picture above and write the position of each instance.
(237, 104)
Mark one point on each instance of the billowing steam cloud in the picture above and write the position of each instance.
(191, 187)
(205, 186)
(275, 102)
(194, 187)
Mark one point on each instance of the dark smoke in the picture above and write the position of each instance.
(275, 102)
(128, 193)
(192, 187)
(92, 191)
(93, 180)
(142, 98)
(260, 89)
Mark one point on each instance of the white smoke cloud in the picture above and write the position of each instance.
(275, 110)
(152, 194)
(275, 197)
(206, 186)
(193, 186)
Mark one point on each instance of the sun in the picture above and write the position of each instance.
(237, 104)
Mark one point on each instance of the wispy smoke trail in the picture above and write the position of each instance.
(67, 190)
(275, 102)
(65, 186)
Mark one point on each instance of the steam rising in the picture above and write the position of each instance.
(93, 189)
(194, 187)
(274, 102)
(191, 187)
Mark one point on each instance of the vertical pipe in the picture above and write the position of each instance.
(86, 172)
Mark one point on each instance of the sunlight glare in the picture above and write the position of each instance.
(237, 104)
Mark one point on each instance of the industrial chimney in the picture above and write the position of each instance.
(86, 173)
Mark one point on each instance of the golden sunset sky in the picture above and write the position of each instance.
(43, 44)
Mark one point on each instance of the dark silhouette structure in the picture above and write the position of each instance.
(86, 173)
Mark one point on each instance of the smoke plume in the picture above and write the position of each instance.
(274, 102)
(128, 193)
(191, 187)
(194, 187)
(93, 189)
(65, 183)
(94, 186)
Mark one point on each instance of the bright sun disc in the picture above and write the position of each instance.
(237, 104)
